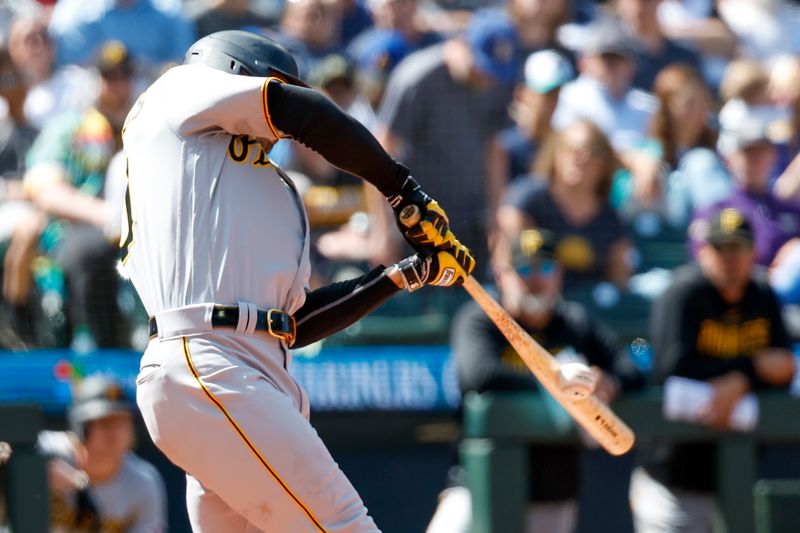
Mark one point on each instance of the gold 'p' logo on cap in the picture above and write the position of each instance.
(730, 220)
(530, 241)
(113, 393)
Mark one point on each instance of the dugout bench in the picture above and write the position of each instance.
(499, 426)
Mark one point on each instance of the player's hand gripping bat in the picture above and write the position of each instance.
(590, 413)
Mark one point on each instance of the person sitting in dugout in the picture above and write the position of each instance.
(529, 279)
(718, 322)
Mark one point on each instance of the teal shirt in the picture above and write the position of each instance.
(83, 144)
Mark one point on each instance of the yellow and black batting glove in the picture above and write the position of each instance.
(450, 267)
(442, 268)
(432, 230)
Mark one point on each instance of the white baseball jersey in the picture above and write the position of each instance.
(208, 218)
(212, 221)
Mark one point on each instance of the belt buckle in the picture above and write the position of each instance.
(288, 337)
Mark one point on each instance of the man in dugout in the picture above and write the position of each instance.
(718, 322)
(529, 279)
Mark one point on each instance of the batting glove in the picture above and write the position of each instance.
(432, 231)
(442, 268)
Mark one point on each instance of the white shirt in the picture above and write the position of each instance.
(213, 221)
(624, 121)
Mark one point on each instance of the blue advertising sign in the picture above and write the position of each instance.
(335, 378)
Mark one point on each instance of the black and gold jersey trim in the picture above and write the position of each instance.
(265, 106)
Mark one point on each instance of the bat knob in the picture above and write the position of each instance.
(409, 215)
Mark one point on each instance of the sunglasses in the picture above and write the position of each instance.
(544, 268)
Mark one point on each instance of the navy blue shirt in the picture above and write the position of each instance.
(583, 250)
(648, 64)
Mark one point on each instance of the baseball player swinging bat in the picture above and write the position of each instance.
(567, 387)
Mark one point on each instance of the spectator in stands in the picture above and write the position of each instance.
(747, 87)
(310, 30)
(568, 196)
(51, 91)
(603, 94)
(529, 278)
(682, 137)
(514, 149)
(765, 30)
(375, 60)
(355, 18)
(97, 483)
(153, 36)
(654, 51)
(16, 133)
(538, 22)
(718, 323)
(748, 145)
(66, 172)
(697, 23)
(17, 216)
(745, 79)
(441, 107)
(399, 16)
(228, 15)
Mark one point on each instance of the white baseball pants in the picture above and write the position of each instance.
(241, 433)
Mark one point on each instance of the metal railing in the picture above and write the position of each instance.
(498, 427)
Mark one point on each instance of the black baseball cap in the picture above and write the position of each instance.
(729, 225)
(113, 57)
(532, 244)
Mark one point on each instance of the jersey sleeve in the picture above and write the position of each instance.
(197, 99)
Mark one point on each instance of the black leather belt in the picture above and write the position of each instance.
(275, 322)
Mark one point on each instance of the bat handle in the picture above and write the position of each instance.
(410, 215)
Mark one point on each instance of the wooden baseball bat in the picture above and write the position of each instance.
(590, 413)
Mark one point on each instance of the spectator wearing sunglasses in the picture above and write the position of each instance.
(529, 279)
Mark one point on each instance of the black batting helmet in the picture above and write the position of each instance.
(96, 397)
(246, 53)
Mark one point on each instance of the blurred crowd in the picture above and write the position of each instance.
(624, 156)
(618, 126)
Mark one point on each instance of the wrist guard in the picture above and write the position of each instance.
(413, 272)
